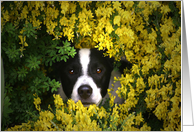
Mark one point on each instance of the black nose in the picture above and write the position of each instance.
(85, 91)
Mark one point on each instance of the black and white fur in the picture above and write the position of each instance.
(87, 76)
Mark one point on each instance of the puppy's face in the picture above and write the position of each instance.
(86, 76)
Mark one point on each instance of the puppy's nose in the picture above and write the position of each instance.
(85, 91)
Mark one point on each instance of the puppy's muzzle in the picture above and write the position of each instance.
(85, 91)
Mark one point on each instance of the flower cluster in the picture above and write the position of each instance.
(146, 33)
(76, 117)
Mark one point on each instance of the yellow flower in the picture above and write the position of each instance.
(126, 80)
(129, 121)
(36, 23)
(6, 16)
(161, 110)
(126, 17)
(140, 85)
(98, 11)
(64, 7)
(83, 4)
(122, 91)
(82, 16)
(79, 106)
(35, 13)
(109, 28)
(58, 101)
(71, 105)
(116, 5)
(23, 40)
(146, 12)
(164, 90)
(72, 20)
(51, 13)
(138, 119)
(141, 4)
(24, 12)
(153, 36)
(73, 8)
(165, 9)
(92, 110)
(178, 5)
(117, 20)
(69, 33)
(145, 128)
(67, 119)
(135, 69)
(112, 97)
(51, 26)
(108, 12)
(129, 54)
(102, 113)
(114, 118)
(154, 4)
(151, 98)
(166, 28)
(128, 4)
(149, 48)
(37, 102)
(64, 21)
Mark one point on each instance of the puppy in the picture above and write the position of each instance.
(87, 76)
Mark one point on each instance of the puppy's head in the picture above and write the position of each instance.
(86, 76)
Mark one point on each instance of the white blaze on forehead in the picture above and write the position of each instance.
(84, 59)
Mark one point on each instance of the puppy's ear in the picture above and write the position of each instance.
(117, 65)
(122, 64)
(109, 60)
(125, 64)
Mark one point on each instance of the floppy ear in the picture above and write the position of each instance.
(109, 60)
(118, 65)
(124, 64)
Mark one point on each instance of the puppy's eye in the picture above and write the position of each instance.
(98, 70)
(71, 71)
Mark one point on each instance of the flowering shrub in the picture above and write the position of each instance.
(147, 33)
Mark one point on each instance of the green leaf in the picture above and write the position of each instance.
(29, 30)
(22, 73)
(10, 28)
(33, 63)
(54, 85)
(64, 58)
(6, 111)
(12, 53)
